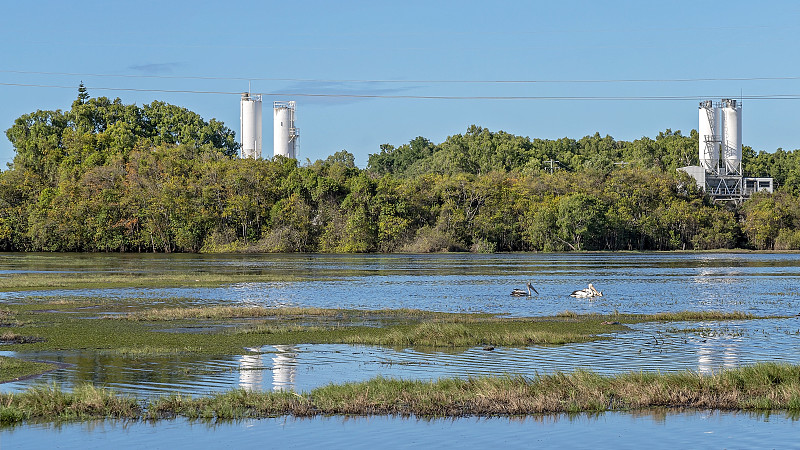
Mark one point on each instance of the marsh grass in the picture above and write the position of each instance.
(50, 402)
(9, 337)
(686, 316)
(15, 368)
(495, 332)
(217, 330)
(678, 316)
(228, 312)
(762, 387)
(7, 318)
(96, 280)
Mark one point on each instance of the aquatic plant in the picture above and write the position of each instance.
(15, 368)
(764, 386)
(50, 402)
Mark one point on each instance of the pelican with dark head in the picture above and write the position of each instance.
(523, 293)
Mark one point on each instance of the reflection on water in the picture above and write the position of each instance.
(631, 282)
(651, 347)
(284, 367)
(655, 429)
(251, 372)
(715, 353)
(635, 283)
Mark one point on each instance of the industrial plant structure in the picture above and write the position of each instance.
(285, 132)
(720, 144)
(250, 119)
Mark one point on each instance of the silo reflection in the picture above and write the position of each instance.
(284, 367)
(251, 372)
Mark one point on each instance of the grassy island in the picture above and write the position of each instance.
(143, 329)
(762, 387)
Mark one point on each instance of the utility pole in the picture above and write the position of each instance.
(552, 163)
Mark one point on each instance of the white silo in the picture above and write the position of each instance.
(285, 133)
(731, 149)
(709, 136)
(250, 117)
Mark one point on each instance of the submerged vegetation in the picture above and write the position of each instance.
(104, 176)
(762, 387)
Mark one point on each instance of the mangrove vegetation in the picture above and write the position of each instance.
(104, 176)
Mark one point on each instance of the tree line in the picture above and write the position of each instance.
(104, 176)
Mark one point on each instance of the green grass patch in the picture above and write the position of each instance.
(101, 280)
(678, 316)
(14, 368)
(762, 387)
(51, 403)
(218, 330)
(229, 312)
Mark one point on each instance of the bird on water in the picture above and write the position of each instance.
(589, 292)
(523, 293)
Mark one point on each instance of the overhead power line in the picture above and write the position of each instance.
(420, 97)
(412, 81)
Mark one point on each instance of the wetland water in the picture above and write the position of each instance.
(761, 284)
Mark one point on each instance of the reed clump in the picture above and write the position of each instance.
(8, 318)
(761, 387)
(49, 402)
(683, 316)
(468, 334)
(238, 403)
(677, 316)
(232, 312)
(765, 386)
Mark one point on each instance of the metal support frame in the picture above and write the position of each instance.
(726, 188)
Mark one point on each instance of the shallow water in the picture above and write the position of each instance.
(765, 284)
(761, 284)
(655, 429)
(654, 347)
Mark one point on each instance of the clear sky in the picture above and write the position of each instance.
(680, 51)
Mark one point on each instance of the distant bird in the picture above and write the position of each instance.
(589, 292)
(522, 293)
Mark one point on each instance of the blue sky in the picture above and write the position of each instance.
(683, 49)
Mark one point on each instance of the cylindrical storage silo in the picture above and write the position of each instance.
(731, 136)
(285, 133)
(709, 137)
(251, 132)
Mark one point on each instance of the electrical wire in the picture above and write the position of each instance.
(421, 97)
(346, 80)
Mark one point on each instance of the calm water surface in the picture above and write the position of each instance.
(656, 430)
(762, 284)
(636, 283)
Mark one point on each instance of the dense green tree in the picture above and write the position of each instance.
(105, 176)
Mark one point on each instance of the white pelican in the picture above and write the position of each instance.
(589, 292)
(522, 293)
